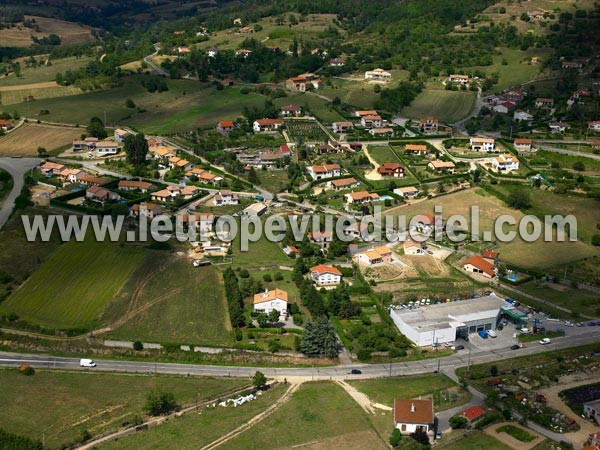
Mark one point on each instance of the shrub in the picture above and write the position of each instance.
(458, 422)
(137, 346)
(159, 403)
(267, 278)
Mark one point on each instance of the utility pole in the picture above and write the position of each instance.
(469, 363)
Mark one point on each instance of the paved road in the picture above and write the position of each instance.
(564, 151)
(445, 364)
(153, 66)
(17, 167)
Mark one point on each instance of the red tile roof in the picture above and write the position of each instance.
(481, 264)
(413, 411)
(473, 413)
(489, 254)
(322, 269)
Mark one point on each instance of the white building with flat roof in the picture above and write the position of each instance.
(428, 325)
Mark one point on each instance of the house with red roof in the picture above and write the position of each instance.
(473, 413)
(323, 275)
(411, 415)
(391, 169)
(476, 264)
(261, 125)
(225, 126)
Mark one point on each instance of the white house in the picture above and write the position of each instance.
(592, 410)
(503, 107)
(254, 210)
(267, 125)
(325, 275)
(407, 192)
(268, 301)
(377, 255)
(212, 52)
(226, 197)
(544, 103)
(506, 163)
(411, 415)
(121, 135)
(594, 126)
(413, 247)
(104, 148)
(477, 264)
(371, 121)
(522, 116)
(460, 79)
(558, 127)
(342, 127)
(325, 171)
(361, 197)
(378, 75)
(480, 143)
(523, 144)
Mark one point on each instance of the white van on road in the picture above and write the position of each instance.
(87, 363)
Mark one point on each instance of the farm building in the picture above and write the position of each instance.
(444, 322)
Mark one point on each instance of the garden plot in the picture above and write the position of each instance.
(307, 131)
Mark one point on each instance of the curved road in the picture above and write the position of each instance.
(445, 364)
(17, 167)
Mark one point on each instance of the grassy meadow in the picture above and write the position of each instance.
(196, 430)
(447, 106)
(319, 413)
(168, 300)
(74, 286)
(25, 140)
(89, 401)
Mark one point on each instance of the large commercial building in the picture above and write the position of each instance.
(441, 323)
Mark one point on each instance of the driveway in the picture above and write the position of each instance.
(17, 167)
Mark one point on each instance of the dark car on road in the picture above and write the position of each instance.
(460, 347)
(355, 372)
(515, 347)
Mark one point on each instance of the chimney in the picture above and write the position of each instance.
(412, 407)
(266, 294)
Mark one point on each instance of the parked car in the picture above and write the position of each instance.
(500, 327)
(355, 372)
(492, 334)
(545, 341)
(459, 347)
(438, 434)
(524, 330)
(84, 362)
(568, 323)
(483, 334)
(515, 347)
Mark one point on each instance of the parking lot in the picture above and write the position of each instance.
(504, 340)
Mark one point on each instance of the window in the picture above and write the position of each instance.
(403, 427)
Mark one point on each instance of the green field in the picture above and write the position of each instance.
(187, 105)
(514, 67)
(447, 106)
(577, 300)
(18, 256)
(45, 72)
(262, 253)
(477, 441)
(311, 104)
(195, 430)
(168, 300)
(319, 411)
(384, 390)
(20, 95)
(88, 401)
(72, 288)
